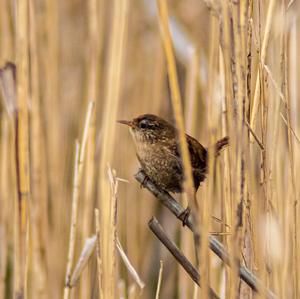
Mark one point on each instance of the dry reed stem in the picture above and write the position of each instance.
(205, 210)
(9, 188)
(159, 280)
(191, 103)
(73, 226)
(94, 47)
(22, 148)
(191, 91)
(181, 39)
(89, 115)
(39, 203)
(78, 170)
(157, 229)
(3, 203)
(129, 266)
(294, 197)
(286, 271)
(240, 63)
(290, 128)
(218, 248)
(89, 246)
(229, 203)
(255, 136)
(159, 74)
(263, 53)
(176, 98)
(87, 203)
(95, 31)
(113, 180)
(282, 97)
(262, 207)
(49, 55)
(188, 185)
(7, 38)
(88, 196)
(113, 84)
(98, 248)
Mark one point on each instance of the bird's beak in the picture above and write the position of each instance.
(126, 122)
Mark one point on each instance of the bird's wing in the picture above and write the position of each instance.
(198, 153)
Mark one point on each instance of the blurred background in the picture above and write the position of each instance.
(238, 74)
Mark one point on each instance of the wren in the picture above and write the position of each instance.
(157, 149)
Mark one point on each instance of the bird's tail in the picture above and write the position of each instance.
(221, 144)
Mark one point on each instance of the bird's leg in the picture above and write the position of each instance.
(184, 216)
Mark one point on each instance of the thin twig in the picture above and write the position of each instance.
(277, 88)
(265, 43)
(87, 251)
(254, 135)
(290, 4)
(292, 130)
(282, 97)
(221, 233)
(220, 221)
(169, 202)
(159, 280)
(73, 224)
(181, 259)
(129, 266)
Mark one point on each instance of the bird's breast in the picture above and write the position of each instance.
(160, 165)
(152, 154)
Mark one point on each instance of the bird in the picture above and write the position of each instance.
(158, 151)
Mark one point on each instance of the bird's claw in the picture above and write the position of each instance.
(144, 182)
(184, 216)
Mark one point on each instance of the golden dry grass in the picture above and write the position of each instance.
(235, 72)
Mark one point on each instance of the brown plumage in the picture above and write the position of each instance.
(157, 150)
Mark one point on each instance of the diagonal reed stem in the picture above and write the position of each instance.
(170, 203)
(157, 229)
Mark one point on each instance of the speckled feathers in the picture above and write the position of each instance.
(157, 150)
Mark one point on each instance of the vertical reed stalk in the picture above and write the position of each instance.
(99, 262)
(263, 53)
(94, 45)
(22, 149)
(39, 215)
(4, 183)
(113, 85)
(78, 171)
(73, 227)
(176, 97)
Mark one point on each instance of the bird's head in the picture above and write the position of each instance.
(149, 128)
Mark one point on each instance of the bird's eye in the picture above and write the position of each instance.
(144, 124)
(148, 124)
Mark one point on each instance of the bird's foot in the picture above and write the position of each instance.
(144, 182)
(184, 216)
